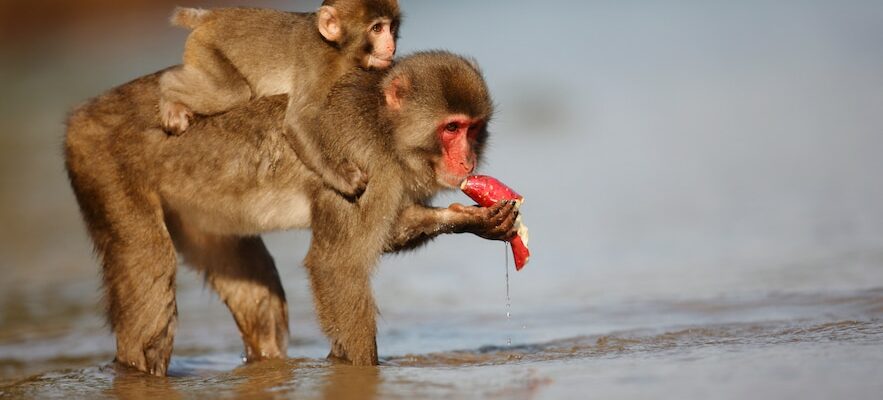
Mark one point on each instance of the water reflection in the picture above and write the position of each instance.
(129, 384)
(348, 382)
(271, 379)
(809, 347)
(266, 379)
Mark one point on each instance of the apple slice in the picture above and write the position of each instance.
(487, 191)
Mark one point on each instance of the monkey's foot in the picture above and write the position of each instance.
(338, 354)
(175, 117)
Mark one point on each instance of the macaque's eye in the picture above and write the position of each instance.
(452, 127)
(377, 28)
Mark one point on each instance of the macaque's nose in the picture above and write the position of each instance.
(468, 165)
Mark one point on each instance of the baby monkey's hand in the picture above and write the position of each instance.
(175, 117)
(351, 180)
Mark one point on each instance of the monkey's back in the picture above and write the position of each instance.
(233, 173)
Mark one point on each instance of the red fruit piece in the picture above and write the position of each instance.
(487, 191)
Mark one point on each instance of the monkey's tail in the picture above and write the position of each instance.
(189, 18)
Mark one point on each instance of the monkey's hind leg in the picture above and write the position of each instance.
(206, 84)
(139, 265)
(244, 275)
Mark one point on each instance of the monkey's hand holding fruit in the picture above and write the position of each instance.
(490, 192)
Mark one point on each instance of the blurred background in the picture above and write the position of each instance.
(668, 151)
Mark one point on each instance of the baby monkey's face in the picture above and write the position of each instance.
(381, 47)
(365, 30)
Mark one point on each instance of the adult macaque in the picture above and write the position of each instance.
(235, 54)
(418, 129)
(144, 195)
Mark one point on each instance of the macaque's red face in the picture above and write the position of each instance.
(382, 38)
(458, 135)
(441, 120)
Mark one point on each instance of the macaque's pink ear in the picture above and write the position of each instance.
(329, 24)
(395, 92)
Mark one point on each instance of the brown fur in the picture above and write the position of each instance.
(207, 195)
(402, 153)
(234, 54)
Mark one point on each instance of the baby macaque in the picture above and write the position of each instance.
(236, 54)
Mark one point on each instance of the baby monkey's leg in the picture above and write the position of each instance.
(206, 84)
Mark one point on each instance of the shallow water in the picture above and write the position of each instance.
(800, 345)
(702, 187)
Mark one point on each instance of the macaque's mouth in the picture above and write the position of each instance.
(378, 64)
(374, 60)
(452, 181)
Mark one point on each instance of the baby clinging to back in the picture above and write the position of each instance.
(235, 54)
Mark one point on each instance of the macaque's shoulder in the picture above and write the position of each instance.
(359, 82)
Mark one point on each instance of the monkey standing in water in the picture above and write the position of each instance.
(235, 54)
(418, 128)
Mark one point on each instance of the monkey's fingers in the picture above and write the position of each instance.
(509, 221)
(499, 222)
(483, 214)
(360, 182)
(352, 181)
(500, 208)
(175, 117)
(499, 212)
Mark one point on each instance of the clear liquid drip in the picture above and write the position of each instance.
(508, 299)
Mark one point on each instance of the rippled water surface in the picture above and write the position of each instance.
(807, 346)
